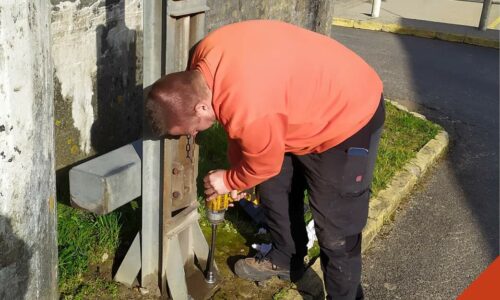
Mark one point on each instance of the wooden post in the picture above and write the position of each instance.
(182, 238)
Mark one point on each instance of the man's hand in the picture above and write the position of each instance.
(237, 196)
(214, 184)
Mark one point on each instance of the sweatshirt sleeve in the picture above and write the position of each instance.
(262, 146)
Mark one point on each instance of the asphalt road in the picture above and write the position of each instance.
(447, 233)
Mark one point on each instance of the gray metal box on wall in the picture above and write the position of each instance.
(109, 181)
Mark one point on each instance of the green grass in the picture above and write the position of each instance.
(84, 237)
(95, 288)
(403, 136)
(87, 244)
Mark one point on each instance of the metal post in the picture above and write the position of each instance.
(151, 160)
(376, 8)
(483, 22)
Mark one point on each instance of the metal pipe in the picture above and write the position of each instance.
(376, 8)
(483, 21)
(210, 275)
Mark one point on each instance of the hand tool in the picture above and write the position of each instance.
(216, 209)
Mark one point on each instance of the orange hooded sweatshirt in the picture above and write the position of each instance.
(279, 88)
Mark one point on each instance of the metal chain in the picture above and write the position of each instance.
(188, 148)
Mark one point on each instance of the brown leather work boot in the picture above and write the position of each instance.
(259, 269)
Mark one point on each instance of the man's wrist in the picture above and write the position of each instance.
(225, 178)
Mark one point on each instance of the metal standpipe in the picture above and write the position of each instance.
(215, 218)
(483, 21)
(210, 275)
(376, 8)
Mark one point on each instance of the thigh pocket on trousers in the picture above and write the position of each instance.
(351, 210)
(354, 182)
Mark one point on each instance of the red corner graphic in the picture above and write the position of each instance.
(486, 286)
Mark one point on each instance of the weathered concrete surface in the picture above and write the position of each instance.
(311, 14)
(109, 181)
(28, 250)
(97, 52)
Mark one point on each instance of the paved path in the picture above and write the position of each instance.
(457, 12)
(447, 233)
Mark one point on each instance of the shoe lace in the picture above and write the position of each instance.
(259, 257)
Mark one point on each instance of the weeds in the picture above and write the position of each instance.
(83, 239)
(107, 230)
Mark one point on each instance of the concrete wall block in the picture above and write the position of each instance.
(28, 249)
(107, 182)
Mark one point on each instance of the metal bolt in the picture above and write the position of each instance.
(176, 194)
(175, 171)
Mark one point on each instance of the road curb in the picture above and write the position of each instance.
(419, 32)
(383, 206)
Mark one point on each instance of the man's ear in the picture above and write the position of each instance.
(201, 108)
